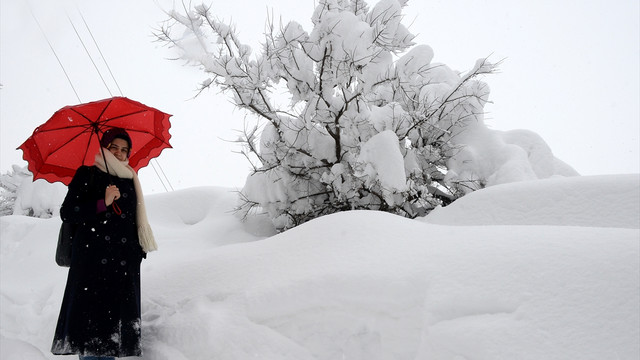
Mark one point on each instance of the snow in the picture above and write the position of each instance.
(503, 157)
(542, 269)
(383, 160)
(541, 264)
(588, 201)
(39, 197)
(416, 60)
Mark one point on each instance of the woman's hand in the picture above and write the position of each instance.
(111, 194)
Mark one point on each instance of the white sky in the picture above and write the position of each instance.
(571, 74)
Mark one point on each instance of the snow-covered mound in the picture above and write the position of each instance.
(593, 201)
(502, 157)
(359, 285)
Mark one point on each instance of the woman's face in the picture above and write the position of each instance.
(119, 148)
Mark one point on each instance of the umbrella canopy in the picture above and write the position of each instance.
(71, 137)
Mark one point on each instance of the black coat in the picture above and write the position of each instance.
(100, 313)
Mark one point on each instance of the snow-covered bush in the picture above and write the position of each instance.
(370, 121)
(9, 184)
(20, 195)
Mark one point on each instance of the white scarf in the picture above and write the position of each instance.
(122, 170)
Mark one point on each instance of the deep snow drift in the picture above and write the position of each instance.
(546, 269)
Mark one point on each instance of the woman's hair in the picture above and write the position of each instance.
(115, 133)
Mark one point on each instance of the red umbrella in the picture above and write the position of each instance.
(71, 137)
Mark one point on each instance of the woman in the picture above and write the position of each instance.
(100, 313)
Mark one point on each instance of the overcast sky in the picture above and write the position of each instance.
(570, 73)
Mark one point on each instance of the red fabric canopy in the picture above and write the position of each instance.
(71, 137)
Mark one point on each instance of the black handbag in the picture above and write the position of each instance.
(65, 240)
(66, 234)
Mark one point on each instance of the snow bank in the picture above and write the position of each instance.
(590, 201)
(370, 285)
(362, 284)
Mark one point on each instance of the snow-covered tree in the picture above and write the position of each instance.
(20, 195)
(9, 184)
(369, 121)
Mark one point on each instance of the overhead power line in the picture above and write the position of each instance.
(100, 51)
(89, 55)
(53, 50)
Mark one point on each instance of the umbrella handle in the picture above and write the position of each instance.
(116, 208)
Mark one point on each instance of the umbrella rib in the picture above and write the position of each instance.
(89, 127)
(79, 113)
(104, 121)
(98, 122)
(151, 134)
(86, 150)
(86, 126)
(66, 143)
